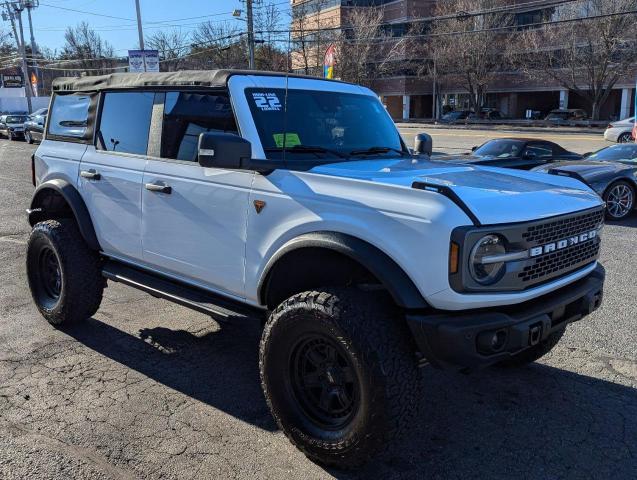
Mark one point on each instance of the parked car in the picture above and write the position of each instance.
(295, 200)
(520, 153)
(620, 131)
(455, 116)
(561, 115)
(34, 126)
(611, 172)
(487, 114)
(12, 126)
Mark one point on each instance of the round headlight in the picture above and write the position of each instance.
(483, 269)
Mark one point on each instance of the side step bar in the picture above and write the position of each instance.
(176, 292)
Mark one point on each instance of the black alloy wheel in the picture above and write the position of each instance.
(49, 278)
(324, 381)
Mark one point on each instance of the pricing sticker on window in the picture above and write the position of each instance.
(267, 102)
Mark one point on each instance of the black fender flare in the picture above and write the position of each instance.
(75, 201)
(384, 268)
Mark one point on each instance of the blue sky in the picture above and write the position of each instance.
(50, 19)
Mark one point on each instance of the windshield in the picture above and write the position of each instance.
(321, 124)
(500, 149)
(16, 119)
(617, 153)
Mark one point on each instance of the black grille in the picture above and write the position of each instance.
(564, 228)
(560, 261)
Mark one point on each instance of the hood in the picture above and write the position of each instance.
(494, 195)
(589, 170)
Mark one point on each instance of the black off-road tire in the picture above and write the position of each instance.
(370, 334)
(78, 292)
(536, 352)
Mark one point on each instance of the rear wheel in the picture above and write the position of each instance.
(63, 273)
(339, 374)
(620, 200)
(625, 137)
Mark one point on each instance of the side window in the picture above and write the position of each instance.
(541, 150)
(186, 115)
(69, 115)
(125, 122)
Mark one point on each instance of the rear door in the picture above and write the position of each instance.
(111, 171)
(194, 218)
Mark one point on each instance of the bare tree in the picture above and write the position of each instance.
(365, 52)
(172, 47)
(218, 45)
(585, 56)
(312, 33)
(467, 49)
(7, 44)
(272, 53)
(88, 50)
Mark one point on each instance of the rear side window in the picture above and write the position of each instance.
(125, 122)
(188, 114)
(69, 115)
(541, 150)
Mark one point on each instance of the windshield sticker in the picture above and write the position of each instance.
(291, 139)
(267, 102)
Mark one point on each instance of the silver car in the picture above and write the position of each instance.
(620, 131)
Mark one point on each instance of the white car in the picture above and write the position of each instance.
(620, 131)
(295, 200)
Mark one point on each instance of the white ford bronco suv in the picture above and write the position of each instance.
(295, 199)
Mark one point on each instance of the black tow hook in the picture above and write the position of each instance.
(535, 334)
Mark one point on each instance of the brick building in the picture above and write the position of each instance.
(409, 96)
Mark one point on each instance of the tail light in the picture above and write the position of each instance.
(610, 125)
(33, 169)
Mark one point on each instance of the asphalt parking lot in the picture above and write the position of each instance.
(147, 389)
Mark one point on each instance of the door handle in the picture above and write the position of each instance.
(90, 174)
(159, 187)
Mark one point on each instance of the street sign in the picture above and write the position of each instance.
(329, 62)
(143, 61)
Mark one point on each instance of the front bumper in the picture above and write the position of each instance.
(462, 340)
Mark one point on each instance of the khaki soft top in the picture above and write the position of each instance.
(184, 78)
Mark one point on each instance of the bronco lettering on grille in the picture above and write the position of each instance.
(561, 244)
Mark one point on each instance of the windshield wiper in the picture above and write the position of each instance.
(306, 149)
(378, 150)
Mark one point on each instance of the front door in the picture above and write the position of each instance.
(111, 172)
(194, 218)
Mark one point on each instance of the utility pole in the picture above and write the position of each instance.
(30, 4)
(140, 32)
(19, 7)
(250, 20)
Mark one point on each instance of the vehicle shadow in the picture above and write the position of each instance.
(532, 422)
(218, 368)
(629, 221)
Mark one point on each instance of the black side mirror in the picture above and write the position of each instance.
(223, 150)
(423, 144)
(474, 148)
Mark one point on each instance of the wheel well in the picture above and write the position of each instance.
(49, 204)
(309, 268)
(629, 181)
(57, 199)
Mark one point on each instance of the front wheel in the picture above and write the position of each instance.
(63, 273)
(620, 200)
(339, 374)
(28, 137)
(10, 136)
